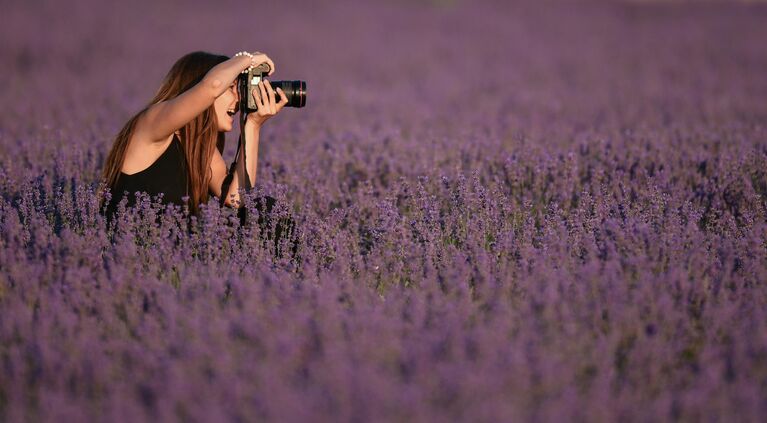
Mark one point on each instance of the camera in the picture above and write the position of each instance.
(295, 91)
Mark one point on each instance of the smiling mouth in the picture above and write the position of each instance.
(232, 111)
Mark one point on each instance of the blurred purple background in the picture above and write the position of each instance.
(509, 210)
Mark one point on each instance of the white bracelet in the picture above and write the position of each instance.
(252, 60)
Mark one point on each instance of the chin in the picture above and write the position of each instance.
(225, 126)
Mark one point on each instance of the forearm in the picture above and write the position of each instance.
(251, 133)
(251, 151)
(220, 76)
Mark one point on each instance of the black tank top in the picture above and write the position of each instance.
(168, 175)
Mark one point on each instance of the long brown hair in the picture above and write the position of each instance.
(198, 137)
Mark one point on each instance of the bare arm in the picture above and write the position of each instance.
(166, 117)
(218, 168)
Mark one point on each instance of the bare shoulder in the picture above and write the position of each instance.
(142, 151)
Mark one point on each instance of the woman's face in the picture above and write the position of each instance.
(225, 106)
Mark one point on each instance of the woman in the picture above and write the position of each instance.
(174, 145)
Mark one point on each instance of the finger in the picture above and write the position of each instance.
(283, 96)
(264, 58)
(271, 65)
(264, 97)
(283, 99)
(270, 90)
(268, 101)
(259, 99)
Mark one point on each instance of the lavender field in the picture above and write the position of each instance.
(506, 211)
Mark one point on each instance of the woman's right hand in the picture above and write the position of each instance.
(267, 105)
(259, 58)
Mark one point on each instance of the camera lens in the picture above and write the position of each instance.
(294, 90)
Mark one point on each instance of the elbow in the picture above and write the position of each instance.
(213, 85)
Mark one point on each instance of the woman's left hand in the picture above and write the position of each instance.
(267, 106)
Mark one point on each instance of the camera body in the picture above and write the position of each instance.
(295, 91)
